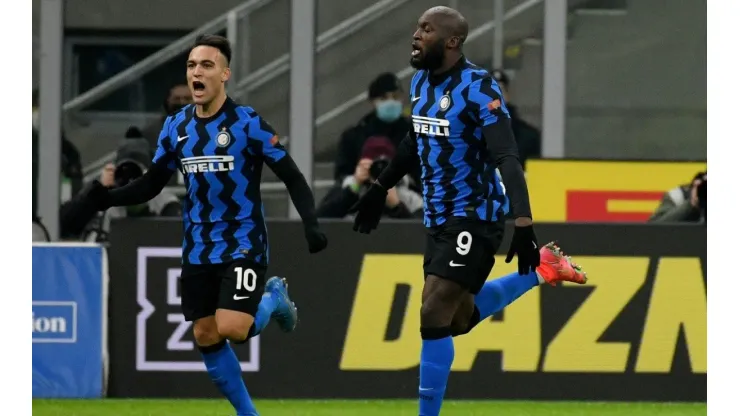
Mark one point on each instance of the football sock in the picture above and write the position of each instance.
(495, 295)
(437, 353)
(267, 306)
(226, 374)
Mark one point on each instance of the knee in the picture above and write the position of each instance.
(436, 312)
(465, 317)
(234, 329)
(459, 326)
(205, 332)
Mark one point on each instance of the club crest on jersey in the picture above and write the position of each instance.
(444, 102)
(223, 139)
(431, 126)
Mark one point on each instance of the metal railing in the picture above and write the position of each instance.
(251, 81)
(271, 70)
(325, 40)
(473, 35)
(160, 57)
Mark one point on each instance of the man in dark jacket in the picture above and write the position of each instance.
(386, 120)
(528, 138)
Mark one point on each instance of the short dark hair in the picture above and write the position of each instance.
(382, 84)
(215, 41)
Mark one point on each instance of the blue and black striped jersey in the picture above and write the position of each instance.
(221, 158)
(449, 112)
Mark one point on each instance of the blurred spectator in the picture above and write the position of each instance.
(685, 203)
(385, 120)
(528, 138)
(70, 164)
(401, 202)
(79, 221)
(179, 96)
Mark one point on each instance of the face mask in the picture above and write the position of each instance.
(389, 110)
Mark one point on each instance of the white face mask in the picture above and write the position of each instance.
(35, 119)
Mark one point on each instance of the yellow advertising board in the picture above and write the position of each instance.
(602, 191)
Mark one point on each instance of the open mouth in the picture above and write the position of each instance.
(415, 50)
(198, 86)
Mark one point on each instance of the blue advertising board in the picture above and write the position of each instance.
(69, 313)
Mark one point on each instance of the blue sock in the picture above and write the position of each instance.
(497, 294)
(264, 311)
(437, 353)
(226, 374)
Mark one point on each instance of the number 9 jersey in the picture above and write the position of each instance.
(464, 198)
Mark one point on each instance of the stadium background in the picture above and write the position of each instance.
(622, 115)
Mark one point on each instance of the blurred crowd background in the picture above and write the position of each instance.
(635, 90)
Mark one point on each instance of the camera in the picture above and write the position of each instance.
(132, 158)
(127, 172)
(701, 192)
(378, 166)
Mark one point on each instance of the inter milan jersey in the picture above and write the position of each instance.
(220, 158)
(448, 114)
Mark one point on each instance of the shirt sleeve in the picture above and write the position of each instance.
(165, 153)
(263, 140)
(487, 101)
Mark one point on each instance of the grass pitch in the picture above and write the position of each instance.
(357, 408)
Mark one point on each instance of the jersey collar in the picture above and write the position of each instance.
(439, 78)
(227, 104)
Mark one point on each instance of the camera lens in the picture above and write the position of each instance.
(378, 166)
(126, 172)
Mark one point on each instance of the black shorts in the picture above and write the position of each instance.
(237, 285)
(462, 250)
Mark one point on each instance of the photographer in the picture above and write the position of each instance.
(401, 202)
(685, 203)
(387, 118)
(79, 221)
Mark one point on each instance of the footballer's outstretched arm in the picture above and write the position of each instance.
(500, 142)
(153, 181)
(142, 189)
(401, 164)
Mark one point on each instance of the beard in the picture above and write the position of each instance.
(431, 58)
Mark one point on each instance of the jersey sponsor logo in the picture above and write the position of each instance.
(164, 340)
(431, 126)
(203, 164)
(649, 314)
